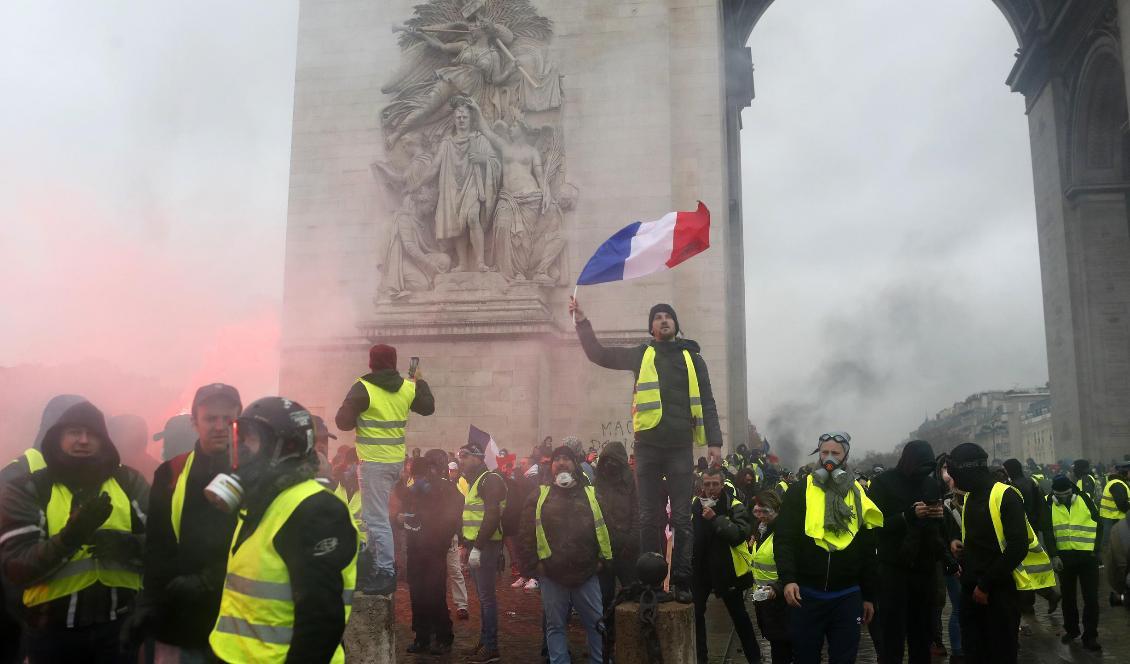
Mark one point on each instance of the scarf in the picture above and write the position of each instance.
(837, 512)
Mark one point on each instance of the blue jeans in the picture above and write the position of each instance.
(953, 591)
(484, 578)
(555, 601)
(375, 482)
(837, 620)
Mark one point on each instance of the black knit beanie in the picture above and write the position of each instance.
(665, 308)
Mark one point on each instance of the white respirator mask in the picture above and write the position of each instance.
(565, 480)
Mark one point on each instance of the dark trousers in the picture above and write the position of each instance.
(427, 590)
(653, 463)
(773, 621)
(836, 620)
(905, 614)
(621, 570)
(735, 605)
(97, 644)
(989, 632)
(1085, 572)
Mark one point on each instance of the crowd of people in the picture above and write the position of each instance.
(248, 541)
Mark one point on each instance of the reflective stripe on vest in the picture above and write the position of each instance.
(380, 429)
(602, 539)
(176, 511)
(34, 460)
(1073, 527)
(354, 505)
(783, 485)
(256, 620)
(82, 570)
(647, 406)
(814, 516)
(1107, 508)
(740, 555)
(473, 509)
(764, 564)
(1035, 571)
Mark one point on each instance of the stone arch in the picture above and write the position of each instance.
(1099, 143)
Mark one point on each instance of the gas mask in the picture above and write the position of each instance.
(1064, 498)
(254, 452)
(565, 480)
(226, 491)
(830, 469)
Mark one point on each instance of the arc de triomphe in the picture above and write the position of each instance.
(455, 162)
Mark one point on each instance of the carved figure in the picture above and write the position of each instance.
(413, 258)
(469, 173)
(523, 198)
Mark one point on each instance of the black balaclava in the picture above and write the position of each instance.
(917, 460)
(665, 308)
(968, 465)
(1014, 469)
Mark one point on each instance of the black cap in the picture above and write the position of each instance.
(215, 391)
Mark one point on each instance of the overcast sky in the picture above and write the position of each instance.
(892, 264)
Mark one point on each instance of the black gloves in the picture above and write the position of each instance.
(188, 588)
(136, 627)
(116, 545)
(86, 520)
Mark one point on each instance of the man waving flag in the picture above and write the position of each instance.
(646, 247)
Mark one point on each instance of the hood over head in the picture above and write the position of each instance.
(55, 407)
(612, 465)
(74, 471)
(917, 459)
(1014, 469)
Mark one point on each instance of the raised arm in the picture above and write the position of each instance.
(625, 359)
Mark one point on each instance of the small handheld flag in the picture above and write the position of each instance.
(646, 247)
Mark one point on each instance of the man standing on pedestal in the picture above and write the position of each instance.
(377, 406)
(673, 409)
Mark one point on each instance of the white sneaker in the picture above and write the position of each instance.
(532, 584)
(518, 583)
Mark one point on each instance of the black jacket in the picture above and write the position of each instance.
(1046, 525)
(493, 492)
(28, 555)
(616, 492)
(357, 399)
(982, 561)
(570, 531)
(317, 542)
(186, 619)
(438, 515)
(800, 560)
(675, 427)
(905, 541)
(713, 539)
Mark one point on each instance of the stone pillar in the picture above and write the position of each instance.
(370, 636)
(674, 623)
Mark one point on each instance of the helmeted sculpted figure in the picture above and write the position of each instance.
(475, 113)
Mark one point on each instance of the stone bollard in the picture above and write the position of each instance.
(674, 623)
(370, 636)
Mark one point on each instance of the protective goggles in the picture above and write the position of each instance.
(838, 436)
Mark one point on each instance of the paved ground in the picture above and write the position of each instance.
(520, 633)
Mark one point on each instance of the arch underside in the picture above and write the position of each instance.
(1022, 16)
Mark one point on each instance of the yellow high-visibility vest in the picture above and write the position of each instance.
(814, 517)
(474, 508)
(381, 428)
(1073, 527)
(602, 539)
(82, 569)
(1035, 571)
(764, 564)
(740, 554)
(1079, 483)
(256, 621)
(34, 458)
(783, 485)
(1107, 508)
(647, 407)
(354, 504)
(177, 508)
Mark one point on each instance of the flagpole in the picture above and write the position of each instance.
(574, 302)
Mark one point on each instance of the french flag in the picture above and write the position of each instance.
(646, 247)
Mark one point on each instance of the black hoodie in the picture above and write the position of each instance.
(27, 555)
(357, 400)
(906, 541)
(616, 491)
(674, 428)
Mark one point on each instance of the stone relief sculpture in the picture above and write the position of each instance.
(473, 148)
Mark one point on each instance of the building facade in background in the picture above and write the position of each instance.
(1006, 423)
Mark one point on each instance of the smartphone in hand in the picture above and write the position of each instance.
(413, 362)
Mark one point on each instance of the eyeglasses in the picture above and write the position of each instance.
(838, 437)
